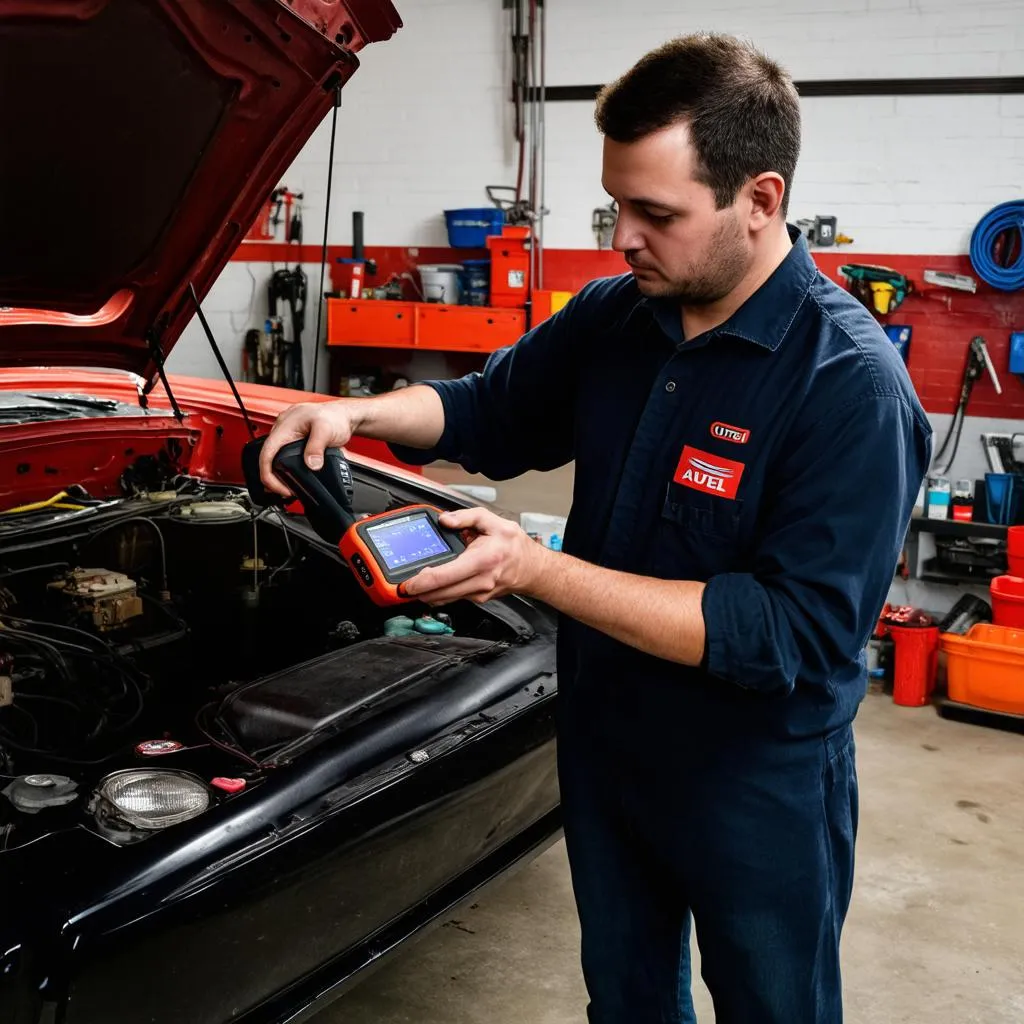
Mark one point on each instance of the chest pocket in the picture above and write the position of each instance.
(697, 536)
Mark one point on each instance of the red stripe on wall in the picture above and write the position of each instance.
(943, 321)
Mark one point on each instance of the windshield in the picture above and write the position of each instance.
(40, 407)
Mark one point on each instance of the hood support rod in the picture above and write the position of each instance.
(158, 358)
(220, 359)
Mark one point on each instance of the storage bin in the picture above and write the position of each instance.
(985, 669)
(468, 228)
(1007, 594)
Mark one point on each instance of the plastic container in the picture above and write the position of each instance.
(1002, 497)
(1007, 593)
(468, 228)
(985, 669)
(476, 282)
(1015, 550)
(543, 528)
(441, 282)
(917, 658)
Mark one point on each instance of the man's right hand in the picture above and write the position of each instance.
(326, 424)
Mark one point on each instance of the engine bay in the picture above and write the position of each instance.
(125, 625)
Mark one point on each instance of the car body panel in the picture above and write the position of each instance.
(275, 902)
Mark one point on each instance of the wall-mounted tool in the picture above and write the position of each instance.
(881, 289)
(1004, 452)
(978, 362)
(603, 224)
(946, 279)
(823, 231)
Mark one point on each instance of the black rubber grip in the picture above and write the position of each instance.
(326, 493)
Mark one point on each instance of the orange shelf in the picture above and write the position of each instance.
(429, 326)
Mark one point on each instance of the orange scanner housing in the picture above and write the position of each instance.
(389, 548)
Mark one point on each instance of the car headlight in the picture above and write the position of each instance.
(154, 799)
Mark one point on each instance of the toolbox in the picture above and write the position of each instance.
(510, 267)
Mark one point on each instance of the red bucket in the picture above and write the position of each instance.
(1015, 550)
(1007, 593)
(917, 658)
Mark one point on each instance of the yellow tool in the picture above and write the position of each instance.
(881, 295)
(881, 289)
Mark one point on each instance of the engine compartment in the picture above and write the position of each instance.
(137, 619)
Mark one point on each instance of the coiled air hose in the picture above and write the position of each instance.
(1003, 225)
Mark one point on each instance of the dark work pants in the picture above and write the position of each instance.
(754, 842)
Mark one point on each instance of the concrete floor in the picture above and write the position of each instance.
(935, 932)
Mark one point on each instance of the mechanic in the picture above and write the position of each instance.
(748, 448)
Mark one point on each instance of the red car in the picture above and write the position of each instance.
(230, 781)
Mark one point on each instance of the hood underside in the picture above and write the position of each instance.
(143, 138)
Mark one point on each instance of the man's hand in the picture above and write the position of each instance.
(328, 425)
(500, 559)
(412, 416)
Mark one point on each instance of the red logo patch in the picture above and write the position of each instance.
(726, 432)
(708, 473)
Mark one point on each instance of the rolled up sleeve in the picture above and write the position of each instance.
(826, 552)
(519, 413)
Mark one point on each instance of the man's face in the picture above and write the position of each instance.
(677, 244)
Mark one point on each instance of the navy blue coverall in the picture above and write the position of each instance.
(777, 457)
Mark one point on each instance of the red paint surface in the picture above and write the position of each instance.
(37, 460)
(943, 321)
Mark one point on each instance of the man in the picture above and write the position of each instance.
(747, 450)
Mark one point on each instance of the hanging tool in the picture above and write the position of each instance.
(289, 287)
(603, 224)
(945, 279)
(978, 361)
(881, 289)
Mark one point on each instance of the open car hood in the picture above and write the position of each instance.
(143, 138)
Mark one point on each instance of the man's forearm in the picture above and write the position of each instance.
(661, 617)
(412, 416)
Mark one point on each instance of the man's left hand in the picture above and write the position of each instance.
(500, 559)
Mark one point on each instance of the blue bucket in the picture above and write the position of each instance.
(469, 228)
(476, 282)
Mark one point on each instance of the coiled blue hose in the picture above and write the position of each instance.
(1004, 217)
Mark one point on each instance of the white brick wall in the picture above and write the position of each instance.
(426, 123)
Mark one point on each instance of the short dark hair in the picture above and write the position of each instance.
(742, 109)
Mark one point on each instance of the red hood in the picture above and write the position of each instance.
(143, 137)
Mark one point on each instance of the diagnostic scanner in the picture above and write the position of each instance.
(383, 550)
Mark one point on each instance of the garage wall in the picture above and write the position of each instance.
(426, 125)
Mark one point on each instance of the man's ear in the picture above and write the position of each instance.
(766, 194)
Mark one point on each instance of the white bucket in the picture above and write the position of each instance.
(441, 282)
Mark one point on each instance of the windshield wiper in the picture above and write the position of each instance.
(104, 404)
